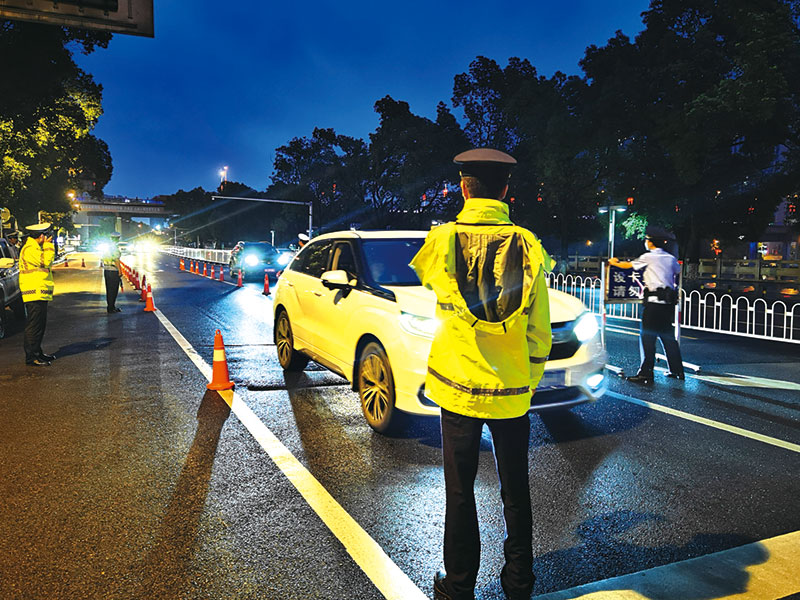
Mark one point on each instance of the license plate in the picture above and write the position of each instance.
(553, 379)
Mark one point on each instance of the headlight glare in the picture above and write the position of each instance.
(284, 259)
(586, 327)
(251, 260)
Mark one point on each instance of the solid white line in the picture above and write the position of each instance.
(390, 580)
(709, 422)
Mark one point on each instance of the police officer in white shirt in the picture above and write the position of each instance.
(660, 296)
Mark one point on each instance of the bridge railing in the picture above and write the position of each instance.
(700, 310)
(204, 254)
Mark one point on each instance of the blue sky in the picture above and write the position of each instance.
(227, 83)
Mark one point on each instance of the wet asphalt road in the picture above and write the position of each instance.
(125, 479)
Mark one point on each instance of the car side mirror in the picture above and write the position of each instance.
(335, 280)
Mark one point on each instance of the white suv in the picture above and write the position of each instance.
(350, 302)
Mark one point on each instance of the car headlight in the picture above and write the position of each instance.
(284, 259)
(103, 248)
(586, 327)
(251, 260)
(416, 325)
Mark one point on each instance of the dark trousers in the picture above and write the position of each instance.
(35, 323)
(112, 288)
(657, 323)
(461, 439)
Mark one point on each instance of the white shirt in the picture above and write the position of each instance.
(661, 268)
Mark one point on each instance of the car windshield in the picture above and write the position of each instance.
(387, 260)
(260, 250)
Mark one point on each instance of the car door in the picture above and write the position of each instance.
(335, 310)
(304, 282)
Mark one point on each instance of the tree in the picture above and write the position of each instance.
(700, 114)
(48, 108)
(412, 175)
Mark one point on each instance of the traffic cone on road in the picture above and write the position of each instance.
(266, 285)
(83, 263)
(212, 271)
(220, 378)
(66, 261)
(222, 273)
(149, 306)
(205, 269)
(143, 297)
(182, 266)
(136, 283)
(239, 283)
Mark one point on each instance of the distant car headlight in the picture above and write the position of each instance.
(103, 248)
(416, 325)
(285, 258)
(251, 260)
(586, 327)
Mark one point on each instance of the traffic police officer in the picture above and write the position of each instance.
(660, 296)
(302, 239)
(485, 362)
(12, 237)
(36, 284)
(112, 272)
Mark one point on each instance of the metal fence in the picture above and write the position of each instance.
(204, 254)
(704, 311)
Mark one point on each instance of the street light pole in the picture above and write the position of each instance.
(612, 209)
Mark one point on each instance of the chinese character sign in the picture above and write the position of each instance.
(623, 285)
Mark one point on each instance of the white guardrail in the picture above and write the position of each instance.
(204, 254)
(704, 311)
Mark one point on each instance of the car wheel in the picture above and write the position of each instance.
(376, 388)
(290, 359)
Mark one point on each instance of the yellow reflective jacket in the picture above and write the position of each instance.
(35, 275)
(490, 348)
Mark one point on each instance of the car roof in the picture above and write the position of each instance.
(381, 234)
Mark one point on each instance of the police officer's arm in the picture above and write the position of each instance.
(622, 264)
(539, 334)
(48, 252)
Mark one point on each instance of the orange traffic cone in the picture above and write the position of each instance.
(266, 285)
(205, 269)
(149, 306)
(143, 297)
(222, 273)
(83, 264)
(136, 283)
(239, 283)
(212, 271)
(220, 379)
(181, 265)
(66, 261)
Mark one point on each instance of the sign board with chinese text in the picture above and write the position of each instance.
(623, 286)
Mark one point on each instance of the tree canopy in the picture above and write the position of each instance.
(48, 108)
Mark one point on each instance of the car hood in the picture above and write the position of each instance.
(421, 301)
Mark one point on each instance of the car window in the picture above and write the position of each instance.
(313, 260)
(387, 260)
(344, 260)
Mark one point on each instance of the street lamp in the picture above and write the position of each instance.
(612, 210)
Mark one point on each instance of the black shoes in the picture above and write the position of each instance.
(439, 587)
(114, 310)
(641, 378)
(47, 357)
(38, 363)
(671, 375)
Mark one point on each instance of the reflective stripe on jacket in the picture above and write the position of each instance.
(35, 274)
(489, 350)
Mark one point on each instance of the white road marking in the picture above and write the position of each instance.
(390, 580)
(709, 422)
(749, 381)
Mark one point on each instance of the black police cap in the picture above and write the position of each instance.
(485, 161)
(654, 232)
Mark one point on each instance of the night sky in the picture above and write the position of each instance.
(227, 83)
